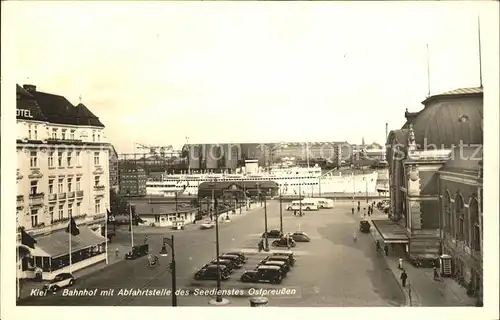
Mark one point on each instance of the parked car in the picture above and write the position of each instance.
(207, 225)
(273, 234)
(241, 255)
(230, 265)
(209, 272)
(364, 226)
(284, 242)
(233, 258)
(279, 258)
(287, 254)
(271, 274)
(300, 236)
(284, 267)
(60, 281)
(137, 252)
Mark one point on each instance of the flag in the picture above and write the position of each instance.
(72, 227)
(27, 240)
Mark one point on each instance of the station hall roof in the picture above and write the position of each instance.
(219, 187)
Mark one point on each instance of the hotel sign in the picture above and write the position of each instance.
(24, 113)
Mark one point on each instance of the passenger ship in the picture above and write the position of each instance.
(291, 181)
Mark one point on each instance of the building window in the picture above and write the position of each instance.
(72, 134)
(63, 134)
(459, 212)
(93, 136)
(33, 159)
(97, 206)
(54, 134)
(51, 186)
(34, 187)
(60, 187)
(78, 184)
(36, 133)
(78, 158)
(34, 217)
(70, 186)
(61, 211)
(98, 137)
(70, 210)
(447, 213)
(51, 159)
(60, 158)
(51, 214)
(474, 222)
(96, 181)
(29, 132)
(68, 158)
(96, 158)
(78, 205)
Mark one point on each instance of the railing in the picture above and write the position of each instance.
(36, 198)
(99, 188)
(20, 201)
(62, 195)
(80, 216)
(79, 193)
(41, 228)
(52, 197)
(71, 194)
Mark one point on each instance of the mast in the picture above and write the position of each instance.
(479, 48)
(428, 71)
(307, 153)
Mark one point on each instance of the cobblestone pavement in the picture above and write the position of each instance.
(331, 270)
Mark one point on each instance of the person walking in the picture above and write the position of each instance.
(400, 263)
(352, 210)
(386, 249)
(377, 245)
(404, 277)
(436, 274)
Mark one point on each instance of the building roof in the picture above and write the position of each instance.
(54, 108)
(448, 119)
(144, 208)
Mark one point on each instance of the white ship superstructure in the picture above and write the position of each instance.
(292, 181)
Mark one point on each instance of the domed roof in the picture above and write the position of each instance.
(450, 118)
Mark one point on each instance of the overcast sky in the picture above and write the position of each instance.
(155, 73)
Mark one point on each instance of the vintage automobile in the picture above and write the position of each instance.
(241, 255)
(284, 242)
(60, 281)
(273, 234)
(288, 254)
(137, 252)
(364, 226)
(234, 258)
(284, 267)
(209, 272)
(207, 225)
(279, 258)
(230, 265)
(300, 236)
(271, 274)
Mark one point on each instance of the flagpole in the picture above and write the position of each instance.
(69, 237)
(106, 234)
(17, 269)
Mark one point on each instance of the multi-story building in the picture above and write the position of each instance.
(132, 179)
(62, 174)
(436, 185)
(114, 181)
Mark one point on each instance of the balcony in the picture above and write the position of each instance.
(20, 201)
(61, 195)
(71, 194)
(99, 189)
(80, 216)
(52, 197)
(79, 194)
(36, 199)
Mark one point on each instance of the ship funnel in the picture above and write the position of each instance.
(251, 166)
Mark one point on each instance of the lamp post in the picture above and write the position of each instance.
(218, 297)
(163, 252)
(300, 199)
(281, 212)
(130, 218)
(353, 184)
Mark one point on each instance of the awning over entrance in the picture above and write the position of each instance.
(390, 231)
(57, 243)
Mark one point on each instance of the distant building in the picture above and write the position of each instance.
(114, 182)
(62, 174)
(132, 179)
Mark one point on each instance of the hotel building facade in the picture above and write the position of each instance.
(62, 173)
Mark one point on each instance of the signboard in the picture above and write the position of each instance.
(23, 113)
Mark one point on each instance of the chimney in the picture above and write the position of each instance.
(29, 87)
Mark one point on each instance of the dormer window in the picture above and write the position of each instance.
(63, 134)
(93, 136)
(72, 135)
(54, 134)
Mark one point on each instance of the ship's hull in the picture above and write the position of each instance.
(365, 184)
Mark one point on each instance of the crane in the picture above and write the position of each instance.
(157, 150)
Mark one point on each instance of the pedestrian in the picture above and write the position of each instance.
(377, 245)
(386, 249)
(295, 213)
(400, 263)
(145, 239)
(359, 204)
(359, 208)
(352, 209)
(404, 276)
(117, 252)
(436, 274)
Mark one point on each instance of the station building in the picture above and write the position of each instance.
(62, 174)
(436, 187)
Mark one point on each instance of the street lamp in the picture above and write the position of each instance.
(164, 252)
(218, 297)
(130, 218)
(300, 199)
(353, 182)
(266, 239)
(281, 212)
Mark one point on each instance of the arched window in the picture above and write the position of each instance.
(474, 224)
(459, 213)
(447, 212)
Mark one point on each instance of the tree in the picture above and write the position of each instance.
(119, 204)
